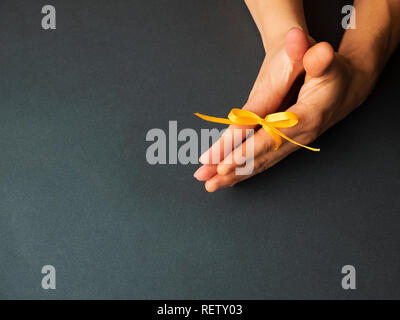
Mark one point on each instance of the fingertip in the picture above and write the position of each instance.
(318, 59)
(296, 43)
(195, 175)
(205, 172)
(326, 50)
(210, 186)
(204, 158)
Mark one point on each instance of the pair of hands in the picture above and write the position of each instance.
(333, 87)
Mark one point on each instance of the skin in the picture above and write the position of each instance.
(335, 83)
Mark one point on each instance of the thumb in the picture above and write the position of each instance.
(318, 59)
(296, 44)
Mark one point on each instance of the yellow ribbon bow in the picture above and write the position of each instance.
(270, 123)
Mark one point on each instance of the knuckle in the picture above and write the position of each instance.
(310, 137)
(267, 142)
(311, 116)
(264, 165)
(316, 121)
(314, 126)
(266, 145)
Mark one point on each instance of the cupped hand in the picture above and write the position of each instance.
(333, 88)
(281, 66)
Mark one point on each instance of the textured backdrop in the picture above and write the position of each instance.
(76, 191)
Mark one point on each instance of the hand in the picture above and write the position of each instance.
(282, 65)
(333, 88)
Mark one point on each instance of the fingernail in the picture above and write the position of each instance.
(196, 173)
(203, 158)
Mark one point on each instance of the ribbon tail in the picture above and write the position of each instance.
(214, 119)
(276, 137)
(291, 140)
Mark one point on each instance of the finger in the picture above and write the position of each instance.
(259, 164)
(231, 137)
(267, 161)
(296, 44)
(232, 178)
(218, 182)
(205, 172)
(261, 142)
(318, 59)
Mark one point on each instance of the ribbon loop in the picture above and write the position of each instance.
(270, 123)
(282, 119)
(244, 117)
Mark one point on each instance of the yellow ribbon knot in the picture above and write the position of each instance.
(270, 123)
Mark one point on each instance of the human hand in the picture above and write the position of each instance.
(282, 65)
(333, 88)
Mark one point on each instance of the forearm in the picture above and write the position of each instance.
(275, 18)
(378, 33)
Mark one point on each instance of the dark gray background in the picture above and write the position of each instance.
(76, 191)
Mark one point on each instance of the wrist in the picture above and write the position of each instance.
(361, 80)
(278, 36)
(277, 41)
(370, 45)
(367, 58)
(275, 18)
